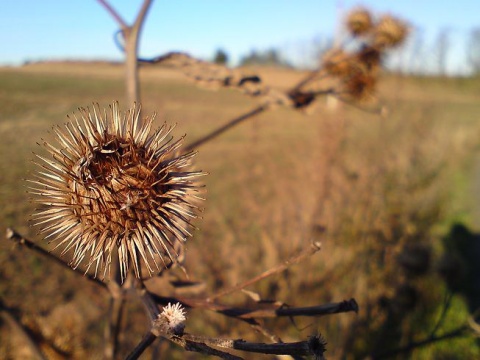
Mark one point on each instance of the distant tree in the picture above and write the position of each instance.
(473, 50)
(221, 57)
(416, 59)
(251, 59)
(268, 57)
(443, 48)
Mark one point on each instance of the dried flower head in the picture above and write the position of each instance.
(114, 187)
(370, 57)
(360, 86)
(172, 318)
(389, 32)
(359, 22)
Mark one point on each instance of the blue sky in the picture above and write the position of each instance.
(56, 29)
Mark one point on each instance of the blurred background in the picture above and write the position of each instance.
(444, 39)
(391, 194)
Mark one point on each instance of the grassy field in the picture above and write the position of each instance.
(378, 185)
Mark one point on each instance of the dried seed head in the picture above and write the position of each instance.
(371, 58)
(389, 32)
(360, 86)
(359, 22)
(172, 319)
(114, 187)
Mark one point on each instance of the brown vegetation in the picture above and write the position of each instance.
(370, 187)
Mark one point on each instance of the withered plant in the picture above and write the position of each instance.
(121, 199)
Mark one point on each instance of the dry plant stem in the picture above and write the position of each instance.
(152, 310)
(311, 76)
(253, 313)
(147, 340)
(416, 344)
(131, 51)
(115, 312)
(204, 345)
(446, 306)
(152, 300)
(112, 329)
(198, 343)
(116, 299)
(265, 332)
(131, 35)
(294, 260)
(188, 345)
(114, 14)
(11, 234)
(19, 329)
(230, 124)
(224, 128)
(301, 348)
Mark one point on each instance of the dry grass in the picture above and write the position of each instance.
(374, 183)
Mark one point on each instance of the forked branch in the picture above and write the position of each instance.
(131, 36)
(153, 302)
(315, 246)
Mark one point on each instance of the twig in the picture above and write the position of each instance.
(224, 128)
(115, 313)
(11, 234)
(311, 76)
(446, 305)
(131, 35)
(248, 115)
(254, 313)
(114, 14)
(301, 348)
(142, 13)
(416, 344)
(202, 344)
(17, 327)
(149, 301)
(293, 260)
(146, 341)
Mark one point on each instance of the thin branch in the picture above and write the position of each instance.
(315, 247)
(114, 14)
(11, 234)
(310, 77)
(202, 344)
(119, 40)
(224, 128)
(130, 47)
(254, 313)
(446, 305)
(205, 349)
(416, 344)
(146, 341)
(112, 328)
(151, 308)
(241, 313)
(131, 35)
(142, 13)
(182, 340)
(149, 301)
(19, 329)
(313, 346)
(472, 322)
